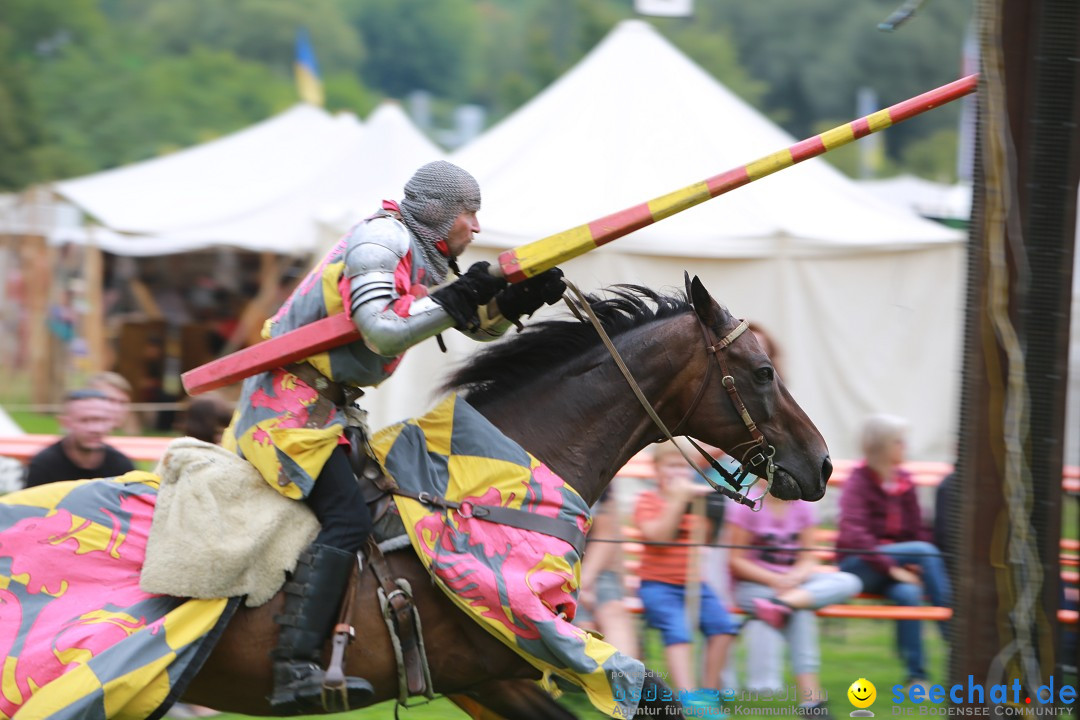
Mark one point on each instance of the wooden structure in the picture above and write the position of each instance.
(1021, 247)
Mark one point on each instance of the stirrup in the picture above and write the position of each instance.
(299, 688)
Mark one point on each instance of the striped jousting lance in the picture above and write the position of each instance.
(536, 257)
(533, 258)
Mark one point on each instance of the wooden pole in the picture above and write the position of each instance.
(693, 576)
(1007, 520)
(261, 306)
(94, 318)
(38, 263)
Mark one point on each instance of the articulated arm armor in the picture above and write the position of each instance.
(373, 256)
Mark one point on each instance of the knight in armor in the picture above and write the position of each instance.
(392, 272)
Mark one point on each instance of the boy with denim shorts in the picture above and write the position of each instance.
(664, 516)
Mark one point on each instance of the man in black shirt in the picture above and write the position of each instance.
(82, 453)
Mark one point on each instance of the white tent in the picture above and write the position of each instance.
(255, 189)
(865, 298)
(390, 151)
(953, 202)
(287, 185)
(930, 199)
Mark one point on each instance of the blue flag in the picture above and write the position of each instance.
(308, 84)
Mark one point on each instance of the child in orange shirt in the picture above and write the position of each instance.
(664, 516)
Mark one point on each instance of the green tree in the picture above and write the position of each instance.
(711, 44)
(262, 31)
(558, 33)
(814, 55)
(344, 91)
(30, 32)
(99, 83)
(418, 45)
(129, 108)
(89, 84)
(20, 123)
(933, 157)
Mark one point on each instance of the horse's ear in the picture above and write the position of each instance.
(686, 282)
(704, 305)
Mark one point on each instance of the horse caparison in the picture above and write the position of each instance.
(555, 390)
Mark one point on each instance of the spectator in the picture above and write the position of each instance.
(119, 393)
(879, 514)
(764, 647)
(600, 602)
(81, 454)
(663, 516)
(783, 587)
(206, 418)
(945, 505)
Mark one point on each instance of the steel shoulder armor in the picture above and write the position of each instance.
(375, 250)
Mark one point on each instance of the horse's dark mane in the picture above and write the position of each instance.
(542, 345)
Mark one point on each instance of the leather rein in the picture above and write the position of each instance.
(758, 449)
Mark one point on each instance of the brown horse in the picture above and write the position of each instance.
(556, 390)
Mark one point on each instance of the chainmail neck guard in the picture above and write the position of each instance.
(434, 197)
(437, 263)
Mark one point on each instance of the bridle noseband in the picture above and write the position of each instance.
(762, 451)
(758, 450)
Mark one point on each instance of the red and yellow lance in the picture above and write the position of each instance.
(533, 258)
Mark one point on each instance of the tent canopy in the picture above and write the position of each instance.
(218, 181)
(925, 197)
(390, 151)
(636, 119)
(274, 186)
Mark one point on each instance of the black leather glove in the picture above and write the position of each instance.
(461, 298)
(527, 296)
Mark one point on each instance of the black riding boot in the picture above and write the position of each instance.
(312, 598)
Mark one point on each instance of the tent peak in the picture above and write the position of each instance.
(634, 25)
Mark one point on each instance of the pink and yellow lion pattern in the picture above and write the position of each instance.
(520, 585)
(270, 428)
(78, 636)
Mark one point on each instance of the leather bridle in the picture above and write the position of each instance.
(758, 449)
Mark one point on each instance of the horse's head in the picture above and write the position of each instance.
(556, 389)
(743, 373)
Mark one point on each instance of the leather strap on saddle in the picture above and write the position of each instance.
(402, 611)
(335, 690)
(332, 394)
(565, 530)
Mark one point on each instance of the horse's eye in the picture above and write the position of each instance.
(763, 375)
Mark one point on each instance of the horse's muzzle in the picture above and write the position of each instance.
(818, 491)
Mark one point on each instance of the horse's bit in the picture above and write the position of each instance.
(763, 452)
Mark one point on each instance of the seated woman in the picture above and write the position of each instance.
(783, 587)
(879, 515)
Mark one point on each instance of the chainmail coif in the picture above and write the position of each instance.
(434, 196)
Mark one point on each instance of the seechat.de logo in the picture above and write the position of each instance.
(862, 694)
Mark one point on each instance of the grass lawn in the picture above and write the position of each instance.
(850, 649)
(36, 423)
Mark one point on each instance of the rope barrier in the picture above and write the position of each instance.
(756, 547)
(57, 407)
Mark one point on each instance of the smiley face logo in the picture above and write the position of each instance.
(862, 694)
